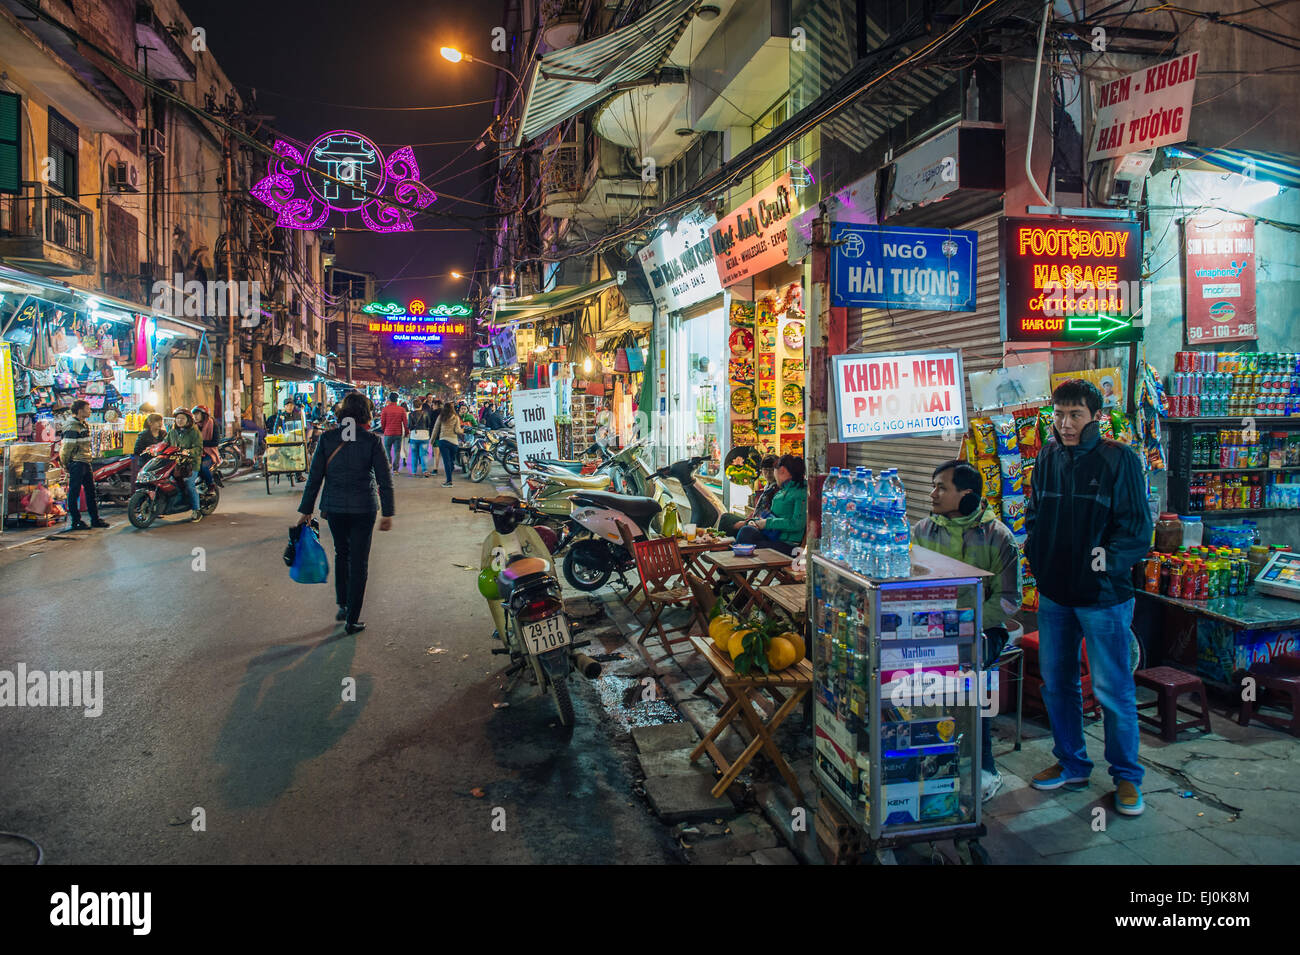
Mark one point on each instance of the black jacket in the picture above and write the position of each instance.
(145, 440)
(358, 481)
(1087, 521)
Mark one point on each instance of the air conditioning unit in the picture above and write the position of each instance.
(124, 177)
(153, 142)
(1122, 183)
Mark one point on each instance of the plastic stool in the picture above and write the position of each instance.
(1169, 685)
(1277, 677)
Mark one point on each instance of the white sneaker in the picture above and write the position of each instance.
(990, 783)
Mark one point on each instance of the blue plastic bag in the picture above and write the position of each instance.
(310, 565)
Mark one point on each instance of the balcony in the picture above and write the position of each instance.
(566, 180)
(46, 233)
(574, 188)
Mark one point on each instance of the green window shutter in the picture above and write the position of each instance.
(11, 155)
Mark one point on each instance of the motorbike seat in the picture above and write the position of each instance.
(568, 465)
(520, 572)
(637, 508)
(586, 482)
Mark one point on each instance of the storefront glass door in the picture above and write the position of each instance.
(698, 386)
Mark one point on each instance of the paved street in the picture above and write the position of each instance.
(222, 690)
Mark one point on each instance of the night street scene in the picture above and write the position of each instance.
(651, 432)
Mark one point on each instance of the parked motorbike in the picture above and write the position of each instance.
(623, 473)
(113, 484)
(232, 456)
(591, 560)
(537, 634)
(161, 491)
(473, 456)
(502, 446)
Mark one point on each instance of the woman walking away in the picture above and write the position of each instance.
(357, 483)
(446, 433)
(783, 528)
(421, 427)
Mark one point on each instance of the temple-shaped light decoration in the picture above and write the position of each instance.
(303, 189)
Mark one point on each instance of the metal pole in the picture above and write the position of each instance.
(232, 400)
(347, 328)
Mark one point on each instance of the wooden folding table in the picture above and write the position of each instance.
(761, 568)
(742, 694)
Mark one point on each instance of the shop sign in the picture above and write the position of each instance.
(884, 267)
(1071, 279)
(855, 204)
(679, 265)
(418, 308)
(1149, 108)
(8, 415)
(535, 424)
(898, 394)
(925, 174)
(322, 363)
(752, 238)
(1219, 258)
(503, 347)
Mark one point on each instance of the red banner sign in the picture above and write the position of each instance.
(1219, 265)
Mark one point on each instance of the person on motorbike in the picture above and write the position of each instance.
(208, 432)
(185, 436)
(491, 417)
(153, 433)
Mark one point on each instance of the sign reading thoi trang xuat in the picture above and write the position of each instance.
(1219, 252)
(1149, 108)
(882, 267)
(898, 394)
(535, 424)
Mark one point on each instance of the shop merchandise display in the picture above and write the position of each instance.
(766, 371)
(1231, 384)
(865, 524)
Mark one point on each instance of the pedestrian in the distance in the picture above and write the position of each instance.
(446, 433)
(75, 456)
(351, 466)
(421, 422)
(1087, 524)
(394, 424)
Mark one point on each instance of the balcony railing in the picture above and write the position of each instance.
(34, 214)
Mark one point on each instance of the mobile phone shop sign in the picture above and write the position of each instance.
(882, 267)
(535, 424)
(899, 394)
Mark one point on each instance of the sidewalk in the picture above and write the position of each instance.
(1228, 797)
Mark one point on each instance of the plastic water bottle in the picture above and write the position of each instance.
(849, 541)
(898, 558)
(828, 509)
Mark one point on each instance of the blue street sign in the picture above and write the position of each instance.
(884, 267)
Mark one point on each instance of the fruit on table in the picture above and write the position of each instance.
(800, 649)
(735, 646)
(781, 653)
(720, 630)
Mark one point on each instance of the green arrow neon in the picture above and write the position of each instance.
(1102, 325)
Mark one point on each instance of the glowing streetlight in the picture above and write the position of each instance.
(453, 55)
(457, 275)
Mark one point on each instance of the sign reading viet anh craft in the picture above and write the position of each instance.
(752, 238)
(1152, 107)
(8, 417)
(883, 267)
(679, 265)
(535, 424)
(1071, 279)
(1219, 257)
(893, 395)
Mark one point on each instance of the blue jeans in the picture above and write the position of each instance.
(417, 456)
(393, 448)
(749, 534)
(448, 450)
(1061, 631)
(192, 489)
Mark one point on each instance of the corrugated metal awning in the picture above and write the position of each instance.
(532, 308)
(566, 82)
(1282, 169)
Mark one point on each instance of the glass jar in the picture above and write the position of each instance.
(1193, 531)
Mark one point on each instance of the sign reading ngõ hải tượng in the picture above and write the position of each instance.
(884, 267)
(899, 394)
(1071, 280)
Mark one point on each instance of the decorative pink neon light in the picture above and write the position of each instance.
(297, 190)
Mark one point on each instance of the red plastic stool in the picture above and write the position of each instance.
(1034, 679)
(1169, 685)
(1279, 676)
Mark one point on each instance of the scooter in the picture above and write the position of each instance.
(113, 484)
(590, 561)
(160, 490)
(624, 473)
(527, 605)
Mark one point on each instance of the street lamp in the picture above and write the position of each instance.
(453, 55)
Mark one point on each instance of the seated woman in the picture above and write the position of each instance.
(728, 523)
(783, 530)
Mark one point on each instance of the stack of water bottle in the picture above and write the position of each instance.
(864, 522)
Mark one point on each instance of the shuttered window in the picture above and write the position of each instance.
(64, 148)
(11, 155)
(978, 336)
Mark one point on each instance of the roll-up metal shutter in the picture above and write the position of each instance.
(976, 333)
(701, 308)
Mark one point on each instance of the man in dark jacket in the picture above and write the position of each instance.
(75, 456)
(1088, 524)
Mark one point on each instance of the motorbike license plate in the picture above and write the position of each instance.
(548, 634)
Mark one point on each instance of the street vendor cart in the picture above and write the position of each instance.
(897, 689)
(285, 455)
